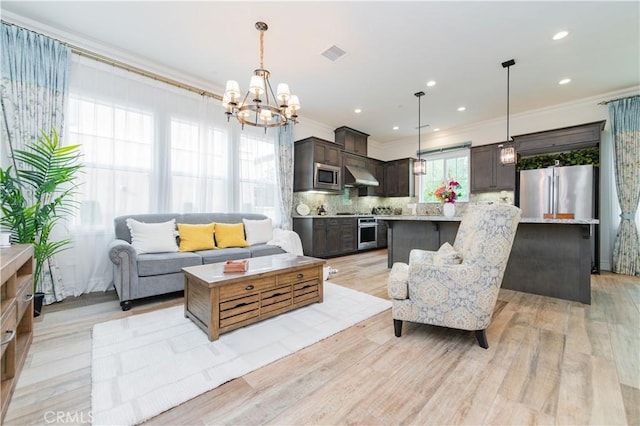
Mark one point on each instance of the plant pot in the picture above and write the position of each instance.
(38, 298)
(449, 209)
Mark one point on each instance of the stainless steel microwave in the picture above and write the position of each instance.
(326, 177)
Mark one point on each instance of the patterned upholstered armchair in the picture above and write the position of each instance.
(457, 286)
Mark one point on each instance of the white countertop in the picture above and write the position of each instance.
(458, 218)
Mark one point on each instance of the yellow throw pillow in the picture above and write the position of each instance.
(196, 237)
(230, 235)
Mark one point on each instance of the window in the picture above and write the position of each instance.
(150, 148)
(443, 166)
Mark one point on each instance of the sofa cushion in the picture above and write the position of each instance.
(195, 237)
(165, 263)
(230, 235)
(258, 231)
(215, 256)
(264, 250)
(153, 237)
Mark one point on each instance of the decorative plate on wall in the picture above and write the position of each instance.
(303, 209)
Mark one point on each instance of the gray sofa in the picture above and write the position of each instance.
(136, 276)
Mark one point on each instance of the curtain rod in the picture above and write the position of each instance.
(130, 68)
(617, 99)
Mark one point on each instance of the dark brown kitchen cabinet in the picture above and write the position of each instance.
(376, 168)
(353, 141)
(488, 173)
(306, 153)
(327, 237)
(559, 140)
(398, 178)
(382, 234)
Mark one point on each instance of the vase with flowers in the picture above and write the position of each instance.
(447, 193)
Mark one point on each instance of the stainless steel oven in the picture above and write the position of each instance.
(367, 233)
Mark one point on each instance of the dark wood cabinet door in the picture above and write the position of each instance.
(488, 173)
(348, 232)
(333, 155)
(482, 165)
(405, 188)
(505, 175)
(333, 238)
(319, 238)
(391, 179)
(351, 140)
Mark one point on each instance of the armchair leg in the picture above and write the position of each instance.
(481, 335)
(397, 327)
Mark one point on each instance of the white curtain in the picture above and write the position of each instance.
(149, 147)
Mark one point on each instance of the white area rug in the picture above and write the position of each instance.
(146, 364)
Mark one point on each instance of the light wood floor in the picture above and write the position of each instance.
(550, 362)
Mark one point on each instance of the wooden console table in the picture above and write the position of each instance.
(16, 275)
(218, 302)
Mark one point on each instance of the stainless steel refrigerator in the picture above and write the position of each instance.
(557, 192)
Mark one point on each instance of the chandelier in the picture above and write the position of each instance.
(260, 107)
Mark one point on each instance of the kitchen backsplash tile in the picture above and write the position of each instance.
(350, 202)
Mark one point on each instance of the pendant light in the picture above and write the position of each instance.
(508, 149)
(420, 165)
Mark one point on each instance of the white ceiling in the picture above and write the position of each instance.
(393, 49)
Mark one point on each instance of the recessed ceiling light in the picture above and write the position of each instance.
(357, 110)
(560, 35)
(431, 83)
(461, 109)
(395, 127)
(437, 129)
(564, 81)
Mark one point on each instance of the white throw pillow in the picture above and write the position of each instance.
(153, 237)
(258, 231)
(446, 255)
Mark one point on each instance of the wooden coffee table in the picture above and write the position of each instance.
(219, 302)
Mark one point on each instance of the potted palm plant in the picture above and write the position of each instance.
(36, 192)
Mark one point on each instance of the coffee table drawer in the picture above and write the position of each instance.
(299, 276)
(273, 300)
(238, 310)
(304, 291)
(247, 287)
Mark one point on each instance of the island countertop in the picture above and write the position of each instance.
(459, 218)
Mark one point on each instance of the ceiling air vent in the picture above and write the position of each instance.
(333, 53)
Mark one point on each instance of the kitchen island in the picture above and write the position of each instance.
(550, 257)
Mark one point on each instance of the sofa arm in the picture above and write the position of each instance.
(398, 281)
(125, 268)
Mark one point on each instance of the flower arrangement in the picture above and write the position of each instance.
(446, 193)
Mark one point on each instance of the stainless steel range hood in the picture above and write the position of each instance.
(358, 176)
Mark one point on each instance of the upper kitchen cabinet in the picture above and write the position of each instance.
(351, 140)
(488, 173)
(308, 152)
(376, 167)
(559, 140)
(399, 180)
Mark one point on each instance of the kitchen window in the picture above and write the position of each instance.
(443, 166)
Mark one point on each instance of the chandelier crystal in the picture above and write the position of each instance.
(260, 107)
